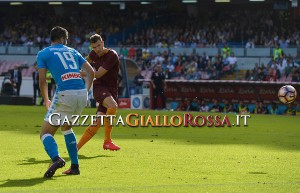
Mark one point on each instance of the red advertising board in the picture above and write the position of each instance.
(223, 89)
(123, 103)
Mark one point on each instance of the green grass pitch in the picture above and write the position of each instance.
(260, 158)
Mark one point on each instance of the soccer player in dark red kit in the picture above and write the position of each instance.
(105, 89)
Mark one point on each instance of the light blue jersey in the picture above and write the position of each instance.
(64, 63)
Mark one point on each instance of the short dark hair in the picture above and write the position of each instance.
(94, 38)
(58, 32)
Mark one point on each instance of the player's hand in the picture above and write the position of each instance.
(154, 86)
(82, 73)
(47, 104)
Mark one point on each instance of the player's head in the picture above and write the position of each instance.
(97, 43)
(59, 35)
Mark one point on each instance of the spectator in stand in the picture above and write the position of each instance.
(277, 53)
(218, 65)
(194, 105)
(146, 54)
(35, 80)
(197, 75)
(7, 88)
(247, 75)
(131, 53)
(216, 107)
(179, 67)
(232, 62)
(205, 57)
(283, 43)
(242, 109)
(287, 69)
(210, 70)
(228, 107)
(260, 108)
(16, 79)
(159, 86)
(138, 84)
(274, 109)
(168, 74)
(177, 44)
(250, 44)
(226, 51)
(124, 51)
(281, 68)
(139, 53)
(170, 66)
(203, 107)
(182, 105)
(295, 74)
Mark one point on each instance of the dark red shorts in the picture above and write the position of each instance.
(100, 93)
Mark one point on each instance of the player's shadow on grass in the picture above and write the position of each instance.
(27, 182)
(23, 182)
(31, 161)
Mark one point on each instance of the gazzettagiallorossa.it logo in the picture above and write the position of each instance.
(137, 120)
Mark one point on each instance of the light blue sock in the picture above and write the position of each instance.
(71, 144)
(50, 145)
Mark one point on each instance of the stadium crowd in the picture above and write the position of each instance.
(247, 28)
(195, 66)
(30, 29)
(261, 28)
(241, 107)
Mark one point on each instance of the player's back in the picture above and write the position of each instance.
(64, 63)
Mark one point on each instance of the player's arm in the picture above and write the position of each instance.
(88, 59)
(44, 86)
(100, 72)
(82, 72)
(90, 74)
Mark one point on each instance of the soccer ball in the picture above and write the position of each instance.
(287, 94)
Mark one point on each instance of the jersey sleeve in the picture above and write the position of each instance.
(41, 60)
(111, 61)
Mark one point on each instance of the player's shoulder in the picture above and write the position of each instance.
(43, 53)
(44, 50)
(70, 49)
(112, 51)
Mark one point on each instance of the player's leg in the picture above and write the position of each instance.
(49, 142)
(71, 145)
(51, 148)
(75, 102)
(99, 95)
(111, 105)
(89, 132)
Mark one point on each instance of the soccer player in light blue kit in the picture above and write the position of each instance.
(70, 98)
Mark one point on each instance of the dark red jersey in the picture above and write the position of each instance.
(109, 61)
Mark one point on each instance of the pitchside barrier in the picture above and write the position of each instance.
(233, 90)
